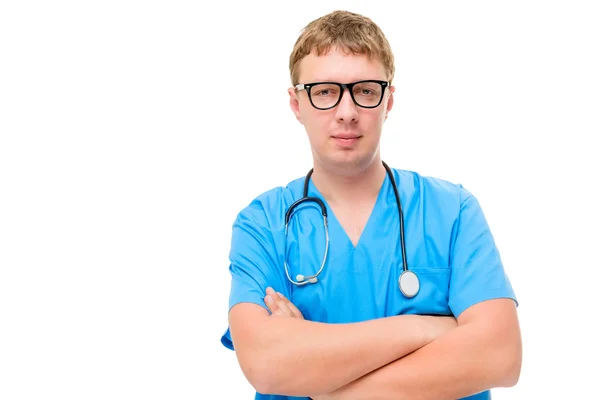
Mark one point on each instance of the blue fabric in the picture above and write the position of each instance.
(448, 245)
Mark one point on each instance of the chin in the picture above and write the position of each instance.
(347, 163)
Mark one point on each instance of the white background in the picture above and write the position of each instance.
(133, 132)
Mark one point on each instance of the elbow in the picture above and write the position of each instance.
(510, 370)
(257, 374)
(269, 378)
(265, 384)
(262, 385)
(261, 375)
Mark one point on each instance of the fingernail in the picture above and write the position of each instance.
(268, 299)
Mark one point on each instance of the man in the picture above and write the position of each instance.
(401, 294)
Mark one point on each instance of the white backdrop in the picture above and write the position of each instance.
(131, 134)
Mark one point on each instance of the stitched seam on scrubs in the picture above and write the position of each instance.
(457, 225)
(481, 296)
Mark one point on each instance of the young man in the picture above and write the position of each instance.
(401, 293)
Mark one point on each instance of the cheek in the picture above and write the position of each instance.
(315, 123)
(373, 121)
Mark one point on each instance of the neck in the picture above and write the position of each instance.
(341, 187)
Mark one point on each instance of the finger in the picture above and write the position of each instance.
(291, 306)
(278, 307)
(271, 304)
(278, 304)
(271, 292)
(282, 305)
(269, 300)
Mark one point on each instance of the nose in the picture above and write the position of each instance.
(346, 110)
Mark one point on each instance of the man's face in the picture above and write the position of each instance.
(346, 137)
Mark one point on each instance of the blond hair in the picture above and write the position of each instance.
(347, 31)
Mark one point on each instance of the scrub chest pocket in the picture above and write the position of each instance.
(432, 298)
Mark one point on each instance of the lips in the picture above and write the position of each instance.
(346, 140)
(346, 136)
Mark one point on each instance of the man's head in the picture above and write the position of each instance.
(342, 47)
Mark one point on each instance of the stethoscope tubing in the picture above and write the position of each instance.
(305, 198)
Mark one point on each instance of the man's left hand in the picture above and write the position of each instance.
(281, 306)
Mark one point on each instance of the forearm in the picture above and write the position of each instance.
(462, 362)
(304, 358)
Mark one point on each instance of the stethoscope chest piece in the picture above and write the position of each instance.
(409, 283)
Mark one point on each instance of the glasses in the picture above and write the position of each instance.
(326, 95)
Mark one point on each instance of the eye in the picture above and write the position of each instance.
(324, 92)
(367, 90)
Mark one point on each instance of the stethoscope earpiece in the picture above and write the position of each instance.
(302, 279)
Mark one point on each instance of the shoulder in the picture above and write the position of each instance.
(432, 188)
(268, 207)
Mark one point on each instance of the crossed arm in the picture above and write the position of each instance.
(483, 352)
(401, 357)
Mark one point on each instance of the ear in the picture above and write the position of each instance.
(390, 101)
(294, 104)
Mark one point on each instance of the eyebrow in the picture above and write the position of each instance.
(350, 81)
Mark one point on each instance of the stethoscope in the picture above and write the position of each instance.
(408, 281)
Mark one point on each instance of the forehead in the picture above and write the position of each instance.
(339, 66)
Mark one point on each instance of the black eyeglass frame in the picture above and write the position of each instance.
(342, 86)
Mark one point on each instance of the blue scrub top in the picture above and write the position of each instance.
(448, 245)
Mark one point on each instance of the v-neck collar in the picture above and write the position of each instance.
(334, 223)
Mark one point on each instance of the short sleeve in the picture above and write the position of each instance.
(252, 261)
(477, 270)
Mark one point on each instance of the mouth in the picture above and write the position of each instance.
(346, 139)
(347, 136)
